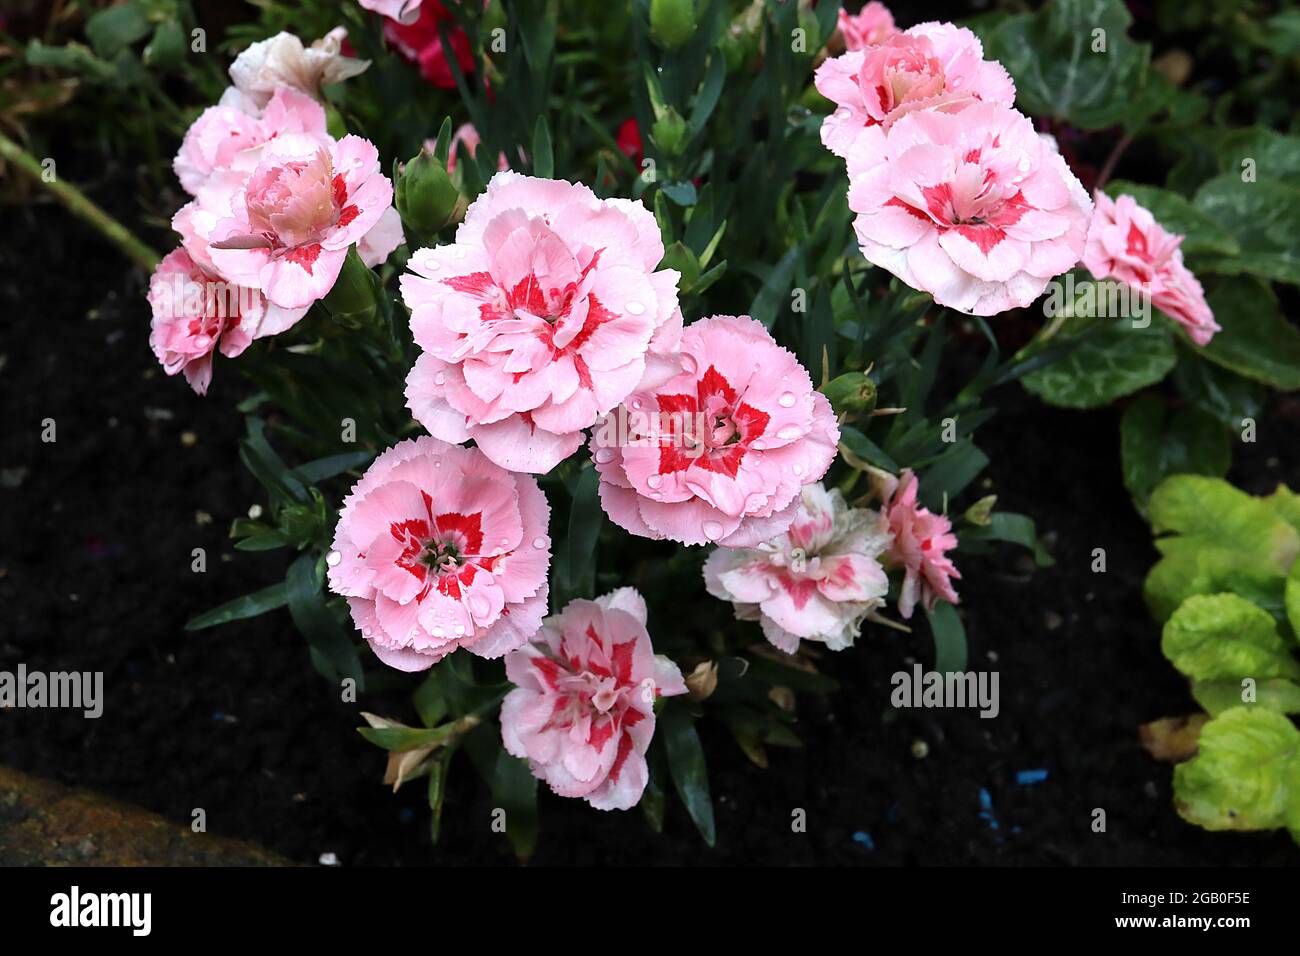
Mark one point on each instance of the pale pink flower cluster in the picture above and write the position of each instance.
(871, 25)
(277, 203)
(582, 711)
(719, 452)
(437, 548)
(544, 314)
(816, 582)
(919, 542)
(954, 191)
(1126, 243)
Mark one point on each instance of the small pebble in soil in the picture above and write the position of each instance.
(189, 439)
(1149, 788)
(1052, 620)
(329, 859)
(863, 839)
(254, 511)
(1029, 777)
(920, 749)
(201, 518)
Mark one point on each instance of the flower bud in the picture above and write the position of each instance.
(852, 392)
(669, 132)
(426, 197)
(672, 22)
(353, 301)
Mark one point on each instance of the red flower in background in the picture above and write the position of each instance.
(421, 43)
(629, 140)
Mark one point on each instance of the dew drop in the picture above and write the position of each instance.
(541, 542)
(654, 481)
(440, 378)
(798, 469)
(786, 399)
(436, 632)
(712, 530)
(636, 403)
(203, 341)
(634, 308)
(333, 558)
(604, 455)
(365, 632)
(460, 630)
(789, 433)
(689, 365)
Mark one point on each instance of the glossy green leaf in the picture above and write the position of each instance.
(250, 605)
(686, 763)
(1109, 361)
(1223, 636)
(1156, 442)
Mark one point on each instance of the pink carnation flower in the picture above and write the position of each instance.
(282, 60)
(1126, 243)
(816, 582)
(582, 712)
(195, 314)
(226, 137)
(544, 314)
(437, 548)
(934, 66)
(291, 222)
(871, 25)
(720, 452)
(403, 11)
(920, 542)
(971, 207)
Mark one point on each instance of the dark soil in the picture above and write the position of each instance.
(95, 553)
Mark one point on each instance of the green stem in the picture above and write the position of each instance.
(80, 206)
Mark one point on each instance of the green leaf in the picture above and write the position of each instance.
(543, 160)
(322, 469)
(575, 566)
(1291, 599)
(1218, 391)
(1275, 693)
(1109, 361)
(949, 638)
(1215, 538)
(406, 738)
(1244, 774)
(114, 29)
(438, 766)
(1177, 214)
(1256, 340)
(1156, 443)
(686, 763)
(1059, 71)
(1014, 529)
(1262, 217)
(317, 623)
(776, 287)
(514, 788)
(250, 605)
(1223, 636)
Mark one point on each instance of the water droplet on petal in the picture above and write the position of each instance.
(798, 469)
(786, 399)
(689, 365)
(636, 403)
(634, 308)
(365, 632)
(460, 630)
(440, 378)
(789, 433)
(604, 455)
(712, 530)
(654, 481)
(436, 632)
(333, 558)
(541, 542)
